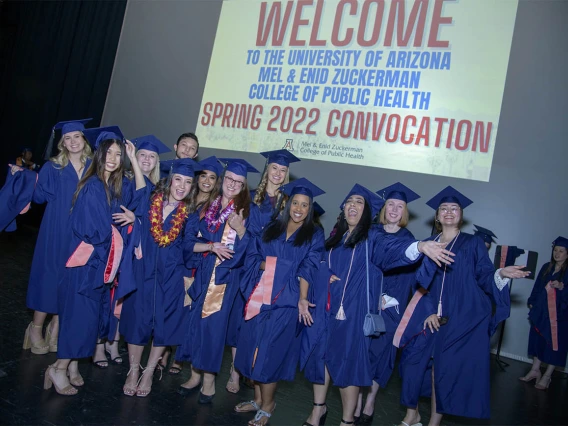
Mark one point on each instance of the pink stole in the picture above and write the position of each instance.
(551, 298)
(407, 315)
(262, 292)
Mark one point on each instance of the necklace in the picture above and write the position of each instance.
(444, 276)
(212, 216)
(162, 238)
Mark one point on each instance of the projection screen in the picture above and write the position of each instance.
(413, 85)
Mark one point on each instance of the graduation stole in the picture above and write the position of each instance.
(551, 299)
(262, 292)
(407, 315)
(215, 292)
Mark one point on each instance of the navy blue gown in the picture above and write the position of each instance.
(15, 197)
(541, 334)
(459, 352)
(269, 343)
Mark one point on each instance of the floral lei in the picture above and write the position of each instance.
(164, 239)
(212, 216)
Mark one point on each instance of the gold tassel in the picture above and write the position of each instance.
(340, 314)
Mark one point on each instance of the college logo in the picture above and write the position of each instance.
(289, 145)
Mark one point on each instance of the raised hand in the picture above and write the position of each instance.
(125, 218)
(436, 251)
(514, 272)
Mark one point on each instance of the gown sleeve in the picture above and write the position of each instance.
(47, 182)
(388, 251)
(310, 264)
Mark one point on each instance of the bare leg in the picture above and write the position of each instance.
(208, 387)
(546, 378)
(412, 417)
(194, 380)
(52, 333)
(176, 366)
(536, 363)
(320, 394)
(145, 385)
(370, 401)
(359, 404)
(233, 384)
(99, 358)
(435, 418)
(112, 348)
(57, 374)
(534, 372)
(131, 383)
(36, 333)
(267, 391)
(349, 396)
(74, 376)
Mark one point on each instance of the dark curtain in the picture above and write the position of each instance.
(56, 60)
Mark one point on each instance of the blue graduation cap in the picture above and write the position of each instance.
(212, 164)
(301, 186)
(182, 166)
(398, 191)
(98, 135)
(373, 200)
(449, 195)
(238, 166)
(282, 157)
(485, 234)
(150, 143)
(561, 242)
(318, 210)
(65, 127)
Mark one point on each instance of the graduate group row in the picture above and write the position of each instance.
(196, 261)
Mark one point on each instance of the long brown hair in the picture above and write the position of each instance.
(194, 193)
(113, 188)
(552, 265)
(242, 199)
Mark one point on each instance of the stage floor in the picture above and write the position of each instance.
(101, 401)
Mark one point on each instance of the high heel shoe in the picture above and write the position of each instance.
(144, 392)
(38, 348)
(48, 381)
(322, 417)
(50, 339)
(531, 375)
(127, 388)
(544, 382)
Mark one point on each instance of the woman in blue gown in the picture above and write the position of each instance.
(155, 311)
(216, 282)
(279, 266)
(94, 254)
(56, 183)
(267, 201)
(445, 332)
(343, 353)
(548, 304)
(397, 286)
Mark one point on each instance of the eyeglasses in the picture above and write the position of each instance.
(454, 210)
(232, 182)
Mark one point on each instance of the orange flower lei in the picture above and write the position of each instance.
(164, 239)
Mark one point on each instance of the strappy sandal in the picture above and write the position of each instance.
(117, 359)
(48, 381)
(239, 408)
(144, 392)
(101, 363)
(38, 348)
(413, 424)
(231, 386)
(75, 380)
(322, 418)
(531, 375)
(128, 389)
(347, 423)
(544, 382)
(261, 414)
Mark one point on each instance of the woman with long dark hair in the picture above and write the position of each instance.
(56, 183)
(356, 255)
(446, 327)
(548, 304)
(269, 345)
(397, 286)
(216, 285)
(94, 256)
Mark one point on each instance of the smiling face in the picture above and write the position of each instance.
(113, 158)
(180, 187)
(450, 214)
(299, 208)
(232, 184)
(353, 210)
(276, 173)
(206, 181)
(74, 142)
(186, 148)
(394, 209)
(147, 160)
(560, 254)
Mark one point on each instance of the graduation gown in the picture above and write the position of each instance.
(460, 349)
(212, 300)
(269, 343)
(347, 349)
(156, 308)
(548, 337)
(94, 254)
(15, 197)
(397, 283)
(55, 186)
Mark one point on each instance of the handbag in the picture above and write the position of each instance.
(374, 324)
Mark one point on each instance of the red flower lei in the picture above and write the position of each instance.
(164, 239)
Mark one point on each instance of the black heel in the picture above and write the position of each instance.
(346, 422)
(322, 418)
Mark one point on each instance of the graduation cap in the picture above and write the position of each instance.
(98, 135)
(282, 157)
(318, 210)
(181, 166)
(398, 191)
(238, 166)
(373, 200)
(449, 195)
(65, 127)
(560, 242)
(150, 143)
(485, 234)
(212, 164)
(301, 186)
